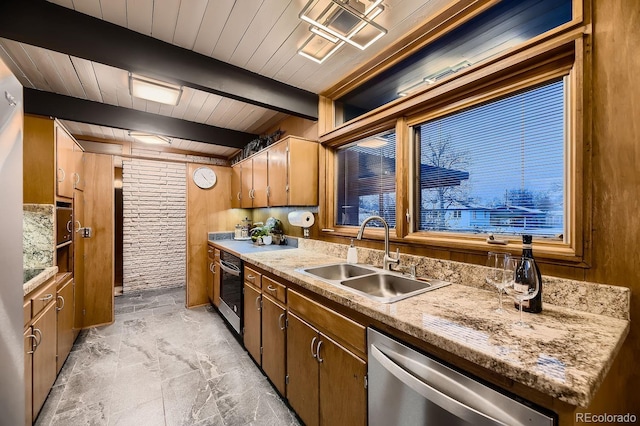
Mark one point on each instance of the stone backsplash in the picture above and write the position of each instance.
(38, 242)
(602, 299)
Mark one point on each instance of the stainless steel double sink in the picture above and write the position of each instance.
(374, 283)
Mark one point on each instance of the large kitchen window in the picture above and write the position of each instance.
(495, 168)
(366, 180)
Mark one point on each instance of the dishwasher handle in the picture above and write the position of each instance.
(230, 268)
(444, 401)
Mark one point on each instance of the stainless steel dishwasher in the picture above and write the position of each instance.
(407, 387)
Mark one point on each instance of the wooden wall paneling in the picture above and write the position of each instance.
(99, 249)
(615, 181)
(207, 211)
(39, 161)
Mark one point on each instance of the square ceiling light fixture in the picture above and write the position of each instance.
(336, 22)
(150, 138)
(154, 90)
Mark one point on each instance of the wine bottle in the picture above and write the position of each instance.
(522, 278)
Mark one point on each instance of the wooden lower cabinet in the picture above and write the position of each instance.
(217, 276)
(44, 356)
(210, 277)
(252, 307)
(274, 342)
(321, 376)
(29, 343)
(65, 326)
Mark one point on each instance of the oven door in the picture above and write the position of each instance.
(231, 289)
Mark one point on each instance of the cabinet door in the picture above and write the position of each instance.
(44, 357)
(278, 184)
(65, 313)
(236, 186)
(246, 197)
(28, 376)
(274, 342)
(64, 161)
(78, 262)
(252, 307)
(302, 170)
(302, 369)
(216, 283)
(78, 167)
(341, 369)
(260, 179)
(210, 277)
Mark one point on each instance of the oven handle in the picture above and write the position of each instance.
(447, 402)
(230, 268)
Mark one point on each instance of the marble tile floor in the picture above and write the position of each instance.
(162, 364)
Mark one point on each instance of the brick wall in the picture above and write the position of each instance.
(154, 224)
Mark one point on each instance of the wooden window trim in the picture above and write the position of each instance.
(562, 55)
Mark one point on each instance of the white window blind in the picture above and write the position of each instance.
(495, 168)
(366, 180)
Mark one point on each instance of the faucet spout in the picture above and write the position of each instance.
(388, 260)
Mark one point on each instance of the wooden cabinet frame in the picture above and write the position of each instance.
(561, 52)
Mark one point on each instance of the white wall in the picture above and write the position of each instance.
(154, 224)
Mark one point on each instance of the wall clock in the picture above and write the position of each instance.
(204, 177)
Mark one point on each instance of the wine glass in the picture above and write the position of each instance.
(497, 276)
(522, 282)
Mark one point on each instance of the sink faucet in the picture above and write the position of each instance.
(388, 260)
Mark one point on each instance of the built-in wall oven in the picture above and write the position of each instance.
(231, 289)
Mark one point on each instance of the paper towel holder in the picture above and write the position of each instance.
(303, 219)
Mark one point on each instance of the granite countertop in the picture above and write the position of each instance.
(566, 354)
(240, 247)
(37, 276)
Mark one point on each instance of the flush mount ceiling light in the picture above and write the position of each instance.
(150, 138)
(154, 90)
(336, 22)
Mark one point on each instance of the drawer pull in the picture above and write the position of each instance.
(251, 277)
(47, 297)
(313, 341)
(271, 288)
(61, 307)
(76, 179)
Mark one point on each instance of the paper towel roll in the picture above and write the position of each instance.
(301, 218)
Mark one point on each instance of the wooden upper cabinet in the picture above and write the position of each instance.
(78, 167)
(65, 162)
(278, 174)
(302, 172)
(236, 186)
(246, 197)
(260, 179)
(50, 161)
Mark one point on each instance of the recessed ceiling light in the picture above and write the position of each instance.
(150, 138)
(154, 90)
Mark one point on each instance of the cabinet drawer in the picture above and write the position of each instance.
(216, 254)
(274, 289)
(43, 296)
(26, 308)
(252, 277)
(335, 325)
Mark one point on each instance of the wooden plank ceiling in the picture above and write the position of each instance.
(259, 36)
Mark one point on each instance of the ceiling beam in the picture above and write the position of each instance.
(50, 26)
(68, 108)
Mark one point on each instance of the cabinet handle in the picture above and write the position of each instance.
(313, 341)
(318, 351)
(271, 288)
(239, 195)
(268, 191)
(76, 179)
(61, 172)
(281, 321)
(34, 344)
(250, 277)
(79, 226)
(252, 193)
(70, 226)
(211, 268)
(61, 307)
(258, 303)
(38, 341)
(46, 298)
